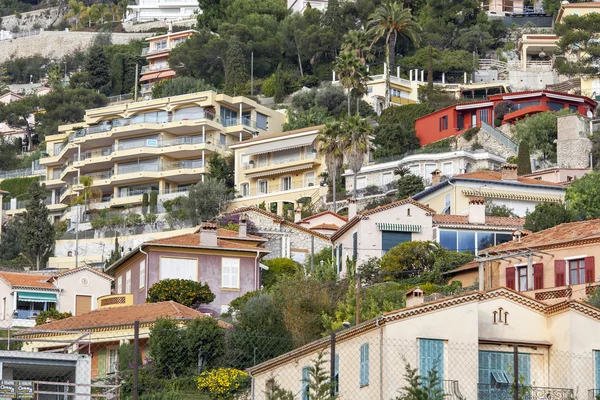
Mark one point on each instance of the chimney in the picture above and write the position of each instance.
(351, 208)
(509, 172)
(298, 213)
(208, 234)
(243, 227)
(477, 210)
(414, 297)
(435, 177)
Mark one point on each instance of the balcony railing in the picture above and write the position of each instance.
(238, 121)
(168, 166)
(505, 392)
(451, 390)
(153, 68)
(26, 314)
(273, 188)
(594, 394)
(253, 164)
(373, 190)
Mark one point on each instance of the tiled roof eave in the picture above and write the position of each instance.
(478, 227)
(510, 196)
(45, 289)
(550, 246)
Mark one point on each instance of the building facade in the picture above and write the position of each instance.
(157, 145)
(455, 119)
(157, 55)
(478, 343)
(163, 10)
(227, 261)
(278, 170)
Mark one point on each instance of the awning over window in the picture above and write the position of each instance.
(398, 227)
(149, 76)
(280, 171)
(37, 297)
(281, 145)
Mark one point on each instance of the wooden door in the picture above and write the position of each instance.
(83, 304)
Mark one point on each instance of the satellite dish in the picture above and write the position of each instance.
(590, 114)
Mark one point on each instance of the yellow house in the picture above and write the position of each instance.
(499, 187)
(278, 170)
(480, 344)
(157, 145)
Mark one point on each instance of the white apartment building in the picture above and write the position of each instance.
(163, 10)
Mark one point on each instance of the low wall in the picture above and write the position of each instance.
(57, 44)
(146, 26)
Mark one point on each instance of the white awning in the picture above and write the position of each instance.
(281, 145)
(382, 226)
(280, 170)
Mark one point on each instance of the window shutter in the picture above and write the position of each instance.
(524, 368)
(305, 383)
(597, 356)
(336, 376)
(538, 276)
(589, 269)
(560, 267)
(355, 245)
(510, 278)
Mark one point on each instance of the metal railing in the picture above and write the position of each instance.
(152, 68)
(238, 121)
(120, 97)
(490, 63)
(253, 164)
(373, 190)
(245, 190)
(505, 140)
(505, 392)
(594, 394)
(451, 390)
(168, 166)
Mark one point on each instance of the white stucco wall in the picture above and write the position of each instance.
(73, 284)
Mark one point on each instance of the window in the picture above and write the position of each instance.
(496, 373)
(361, 182)
(364, 365)
(142, 273)
(573, 108)
(443, 123)
(286, 183)
(415, 169)
(431, 358)
(386, 178)
(448, 239)
(113, 359)
(161, 45)
(228, 116)
(336, 375)
(128, 282)
(446, 209)
(178, 268)
(309, 179)
(554, 106)
(447, 169)
(466, 241)
(245, 189)
(429, 168)
(597, 359)
(305, 383)
(263, 186)
(522, 278)
(230, 273)
(390, 239)
(484, 116)
(576, 272)
(222, 139)
(460, 122)
(120, 285)
(262, 121)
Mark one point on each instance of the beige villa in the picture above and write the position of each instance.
(470, 340)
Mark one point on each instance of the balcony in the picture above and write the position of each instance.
(451, 390)
(115, 300)
(255, 169)
(154, 68)
(576, 292)
(487, 392)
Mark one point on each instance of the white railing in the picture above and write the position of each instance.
(505, 140)
(490, 63)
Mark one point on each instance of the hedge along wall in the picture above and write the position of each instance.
(17, 186)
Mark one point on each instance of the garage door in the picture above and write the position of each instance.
(390, 239)
(83, 304)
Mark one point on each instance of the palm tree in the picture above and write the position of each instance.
(355, 144)
(88, 193)
(330, 138)
(75, 9)
(361, 85)
(346, 66)
(390, 20)
(358, 41)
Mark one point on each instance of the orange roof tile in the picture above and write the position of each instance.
(467, 267)
(558, 236)
(193, 240)
(321, 214)
(127, 315)
(27, 280)
(489, 221)
(228, 233)
(331, 227)
(497, 176)
(84, 268)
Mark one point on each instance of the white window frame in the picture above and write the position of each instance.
(283, 185)
(310, 177)
(449, 171)
(361, 182)
(245, 186)
(114, 364)
(230, 279)
(259, 182)
(384, 175)
(180, 260)
(120, 284)
(128, 282)
(142, 274)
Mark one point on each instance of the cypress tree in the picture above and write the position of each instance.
(236, 68)
(523, 159)
(98, 68)
(37, 234)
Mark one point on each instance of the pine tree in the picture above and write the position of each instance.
(236, 71)
(37, 234)
(523, 159)
(97, 67)
(115, 254)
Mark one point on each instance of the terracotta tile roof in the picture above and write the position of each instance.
(27, 280)
(467, 267)
(281, 134)
(558, 236)
(362, 215)
(228, 233)
(84, 268)
(489, 221)
(193, 240)
(497, 176)
(127, 315)
(331, 227)
(321, 214)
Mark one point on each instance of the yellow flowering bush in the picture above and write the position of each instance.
(223, 383)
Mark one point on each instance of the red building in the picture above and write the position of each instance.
(455, 119)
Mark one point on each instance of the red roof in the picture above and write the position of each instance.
(321, 214)
(27, 280)
(489, 221)
(193, 240)
(126, 315)
(330, 227)
(497, 176)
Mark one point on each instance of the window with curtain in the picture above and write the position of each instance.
(128, 282)
(178, 268)
(448, 239)
(576, 271)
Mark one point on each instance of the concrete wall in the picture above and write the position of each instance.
(57, 44)
(33, 19)
(573, 147)
(145, 26)
(209, 271)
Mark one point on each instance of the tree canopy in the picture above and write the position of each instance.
(547, 215)
(583, 196)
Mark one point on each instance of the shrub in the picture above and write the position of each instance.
(150, 219)
(99, 223)
(278, 267)
(470, 133)
(182, 291)
(51, 314)
(133, 220)
(115, 222)
(223, 383)
(503, 108)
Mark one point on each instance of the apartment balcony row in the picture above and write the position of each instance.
(155, 67)
(135, 197)
(264, 187)
(274, 161)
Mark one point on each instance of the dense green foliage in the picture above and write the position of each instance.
(523, 159)
(183, 291)
(495, 210)
(222, 169)
(408, 184)
(37, 233)
(51, 314)
(540, 132)
(583, 196)
(397, 133)
(578, 32)
(278, 267)
(547, 215)
(178, 86)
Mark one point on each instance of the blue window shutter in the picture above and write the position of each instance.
(597, 357)
(336, 385)
(305, 383)
(431, 357)
(524, 369)
(364, 364)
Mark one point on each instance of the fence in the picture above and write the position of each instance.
(205, 359)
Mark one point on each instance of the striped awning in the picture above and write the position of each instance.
(279, 145)
(382, 226)
(280, 170)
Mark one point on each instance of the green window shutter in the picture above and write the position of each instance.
(102, 363)
(524, 369)
(305, 383)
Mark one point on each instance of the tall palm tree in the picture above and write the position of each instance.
(355, 144)
(361, 85)
(390, 20)
(346, 66)
(358, 41)
(330, 139)
(88, 193)
(75, 9)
